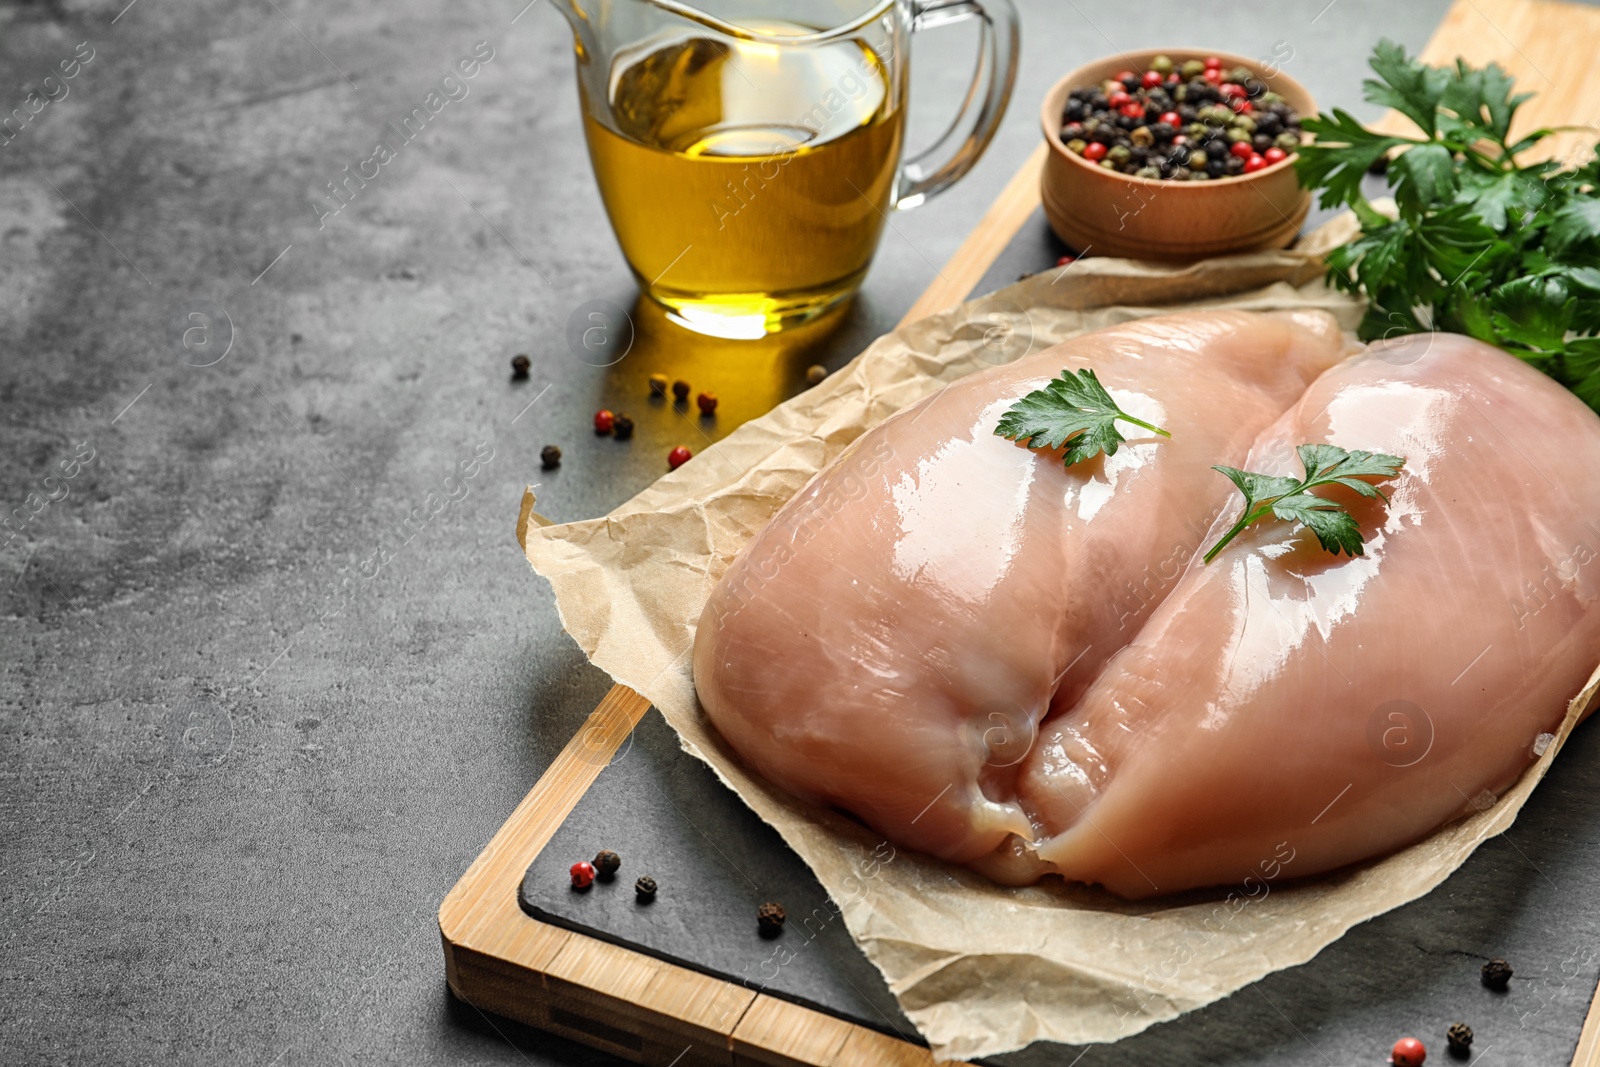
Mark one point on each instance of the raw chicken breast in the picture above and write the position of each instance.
(1286, 703)
(891, 641)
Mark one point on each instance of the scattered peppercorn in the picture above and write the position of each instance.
(658, 385)
(622, 427)
(707, 403)
(645, 889)
(606, 863)
(603, 421)
(1408, 1052)
(1497, 974)
(769, 919)
(1066, 261)
(1460, 1037)
(582, 874)
(550, 457)
(519, 366)
(680, 391)
(1178, 124)
(815, 373)
(678, 457)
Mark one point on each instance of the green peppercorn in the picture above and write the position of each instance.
(658, 385)
(1199, 176)
(1244, 122)
(1193, 68)
(1269, 97)
(1106, 164)
(1119, 154)
(1197, 161)
(1147, 172)
(1238, 75)
(1289, 142)
(1077, 145)
(1235, 135)
(1162, 65)
(1141, 135)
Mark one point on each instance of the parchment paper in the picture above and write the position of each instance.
(980, 969)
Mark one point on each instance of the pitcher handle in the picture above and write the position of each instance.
(985, 103)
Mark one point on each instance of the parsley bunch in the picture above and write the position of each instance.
(1482, 245)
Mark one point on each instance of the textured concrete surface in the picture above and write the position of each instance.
(252, 727)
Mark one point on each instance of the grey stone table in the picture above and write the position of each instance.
(252, 727)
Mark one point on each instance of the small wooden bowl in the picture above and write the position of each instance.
(1104, 212)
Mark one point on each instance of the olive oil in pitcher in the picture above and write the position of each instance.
(747, 181)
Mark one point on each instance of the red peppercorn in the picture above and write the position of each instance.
(1094, 151)
(1275, 155)
(1134, 110)
(603, 421)
(1151, 79)
(1408, 1052)
(675, 459)
(1064, 260)
(1243, 107)
(1231, 89)
(1213, 75)
(1213, 62)
(1242, 149)
(1071, 130)
(1173, 119)
(1119, 99)
(1254, 163)
(1122, 75)
(1180, 139)
(707, 402)
(1174, 78)
(582, 874)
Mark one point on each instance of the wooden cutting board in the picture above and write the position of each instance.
(648, 1010)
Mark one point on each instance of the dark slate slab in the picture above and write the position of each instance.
(716, 863)
(1532, 895)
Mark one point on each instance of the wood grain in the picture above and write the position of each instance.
(1546, 47)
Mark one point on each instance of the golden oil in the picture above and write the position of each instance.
(748, 182)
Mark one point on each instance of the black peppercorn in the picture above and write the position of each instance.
(815, 373)
(622, 427)
(769, 919)
(645, 889)
(680, 391)
(1497, 974)
(1460, 1037)
(606, 863)
(550, 457)
(519, 366)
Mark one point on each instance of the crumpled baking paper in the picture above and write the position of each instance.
(980, 969)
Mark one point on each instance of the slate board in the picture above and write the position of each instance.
(715, 862)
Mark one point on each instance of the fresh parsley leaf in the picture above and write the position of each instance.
(1425, 174)
(1291, 500)
(1573, 223)
(1482, 243)
(1533, 312)
(1408, 86)
(1339, 157)
(1072, 410)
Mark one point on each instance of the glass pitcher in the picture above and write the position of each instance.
(749, 154)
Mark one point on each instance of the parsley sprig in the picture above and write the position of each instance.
(1482, 245)
(1074, 406)
(1291, 500)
